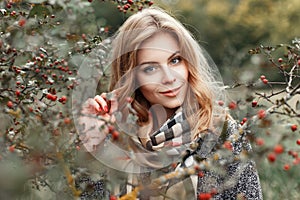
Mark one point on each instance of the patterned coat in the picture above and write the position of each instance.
(238, 178)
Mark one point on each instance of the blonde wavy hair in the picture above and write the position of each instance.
(137, 29)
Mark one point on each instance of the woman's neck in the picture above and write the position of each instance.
(161, 114)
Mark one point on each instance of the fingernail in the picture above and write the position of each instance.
(105, 109)
(99, 109)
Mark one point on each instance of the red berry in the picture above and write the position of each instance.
(232, 105)
(261, 114)
(196, 167)
(130, 1)
(298, 141)
(62, 99)
(262, 77)
(10, 104)
(278, 149)
(51, 97)
(13, 13)
(221, 103)
(11, 148)
(265, 81)
(18, 92)
(112, 197)
(280, 60)
(228, 145)
(293, 153)
(111, 128)
(296, 161)
(259, 141)
(272, 157)
(8, 6)
(204, 196)
(286, 167)
(200, 174)
(22, 22)
(115, 135)
(245, 119)
(67, 120)
(30, 109)
(151, 3)
(90, 1)
(294, 127)
(254, 103)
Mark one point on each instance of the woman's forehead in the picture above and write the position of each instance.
(162, 42)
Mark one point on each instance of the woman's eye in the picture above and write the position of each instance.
(175, 60)
(150, 69)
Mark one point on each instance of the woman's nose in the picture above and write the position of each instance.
(168, 76)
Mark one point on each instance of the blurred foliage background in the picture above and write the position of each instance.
(228, 29)
(67, 31)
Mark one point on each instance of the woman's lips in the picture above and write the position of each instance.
(171, 93)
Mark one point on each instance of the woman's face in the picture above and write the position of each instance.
(162, 73)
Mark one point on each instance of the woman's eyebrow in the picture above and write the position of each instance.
(176, 52)
(153, 62)
(147, 63)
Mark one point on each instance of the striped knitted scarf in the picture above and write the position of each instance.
(174, 132)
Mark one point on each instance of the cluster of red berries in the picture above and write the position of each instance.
(243, 121)
(51, 97)
(294, 154)
(61, 66)
(62, 99)
(263, 79)
(278, 149)
(132, 5)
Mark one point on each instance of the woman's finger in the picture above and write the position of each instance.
(90, 107)
(101, 100)
(108, 101)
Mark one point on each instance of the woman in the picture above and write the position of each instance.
(163, 101)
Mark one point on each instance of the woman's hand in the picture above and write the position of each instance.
(96, 115)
